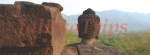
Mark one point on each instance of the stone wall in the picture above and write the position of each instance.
(31, 29)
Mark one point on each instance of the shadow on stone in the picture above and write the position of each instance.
(6, 50)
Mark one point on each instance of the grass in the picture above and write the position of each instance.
(134, 43)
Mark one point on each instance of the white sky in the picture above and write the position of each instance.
(72, 7)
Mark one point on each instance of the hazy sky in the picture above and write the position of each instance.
(77, 6)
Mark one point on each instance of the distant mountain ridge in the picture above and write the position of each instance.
(135, 21)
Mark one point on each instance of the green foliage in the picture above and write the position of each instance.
(137, 43)
(72, 38)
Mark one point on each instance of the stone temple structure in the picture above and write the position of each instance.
(88, 28)
(31, 29)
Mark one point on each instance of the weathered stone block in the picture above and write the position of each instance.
(53, 5)
(95, 49)
(31, 29)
